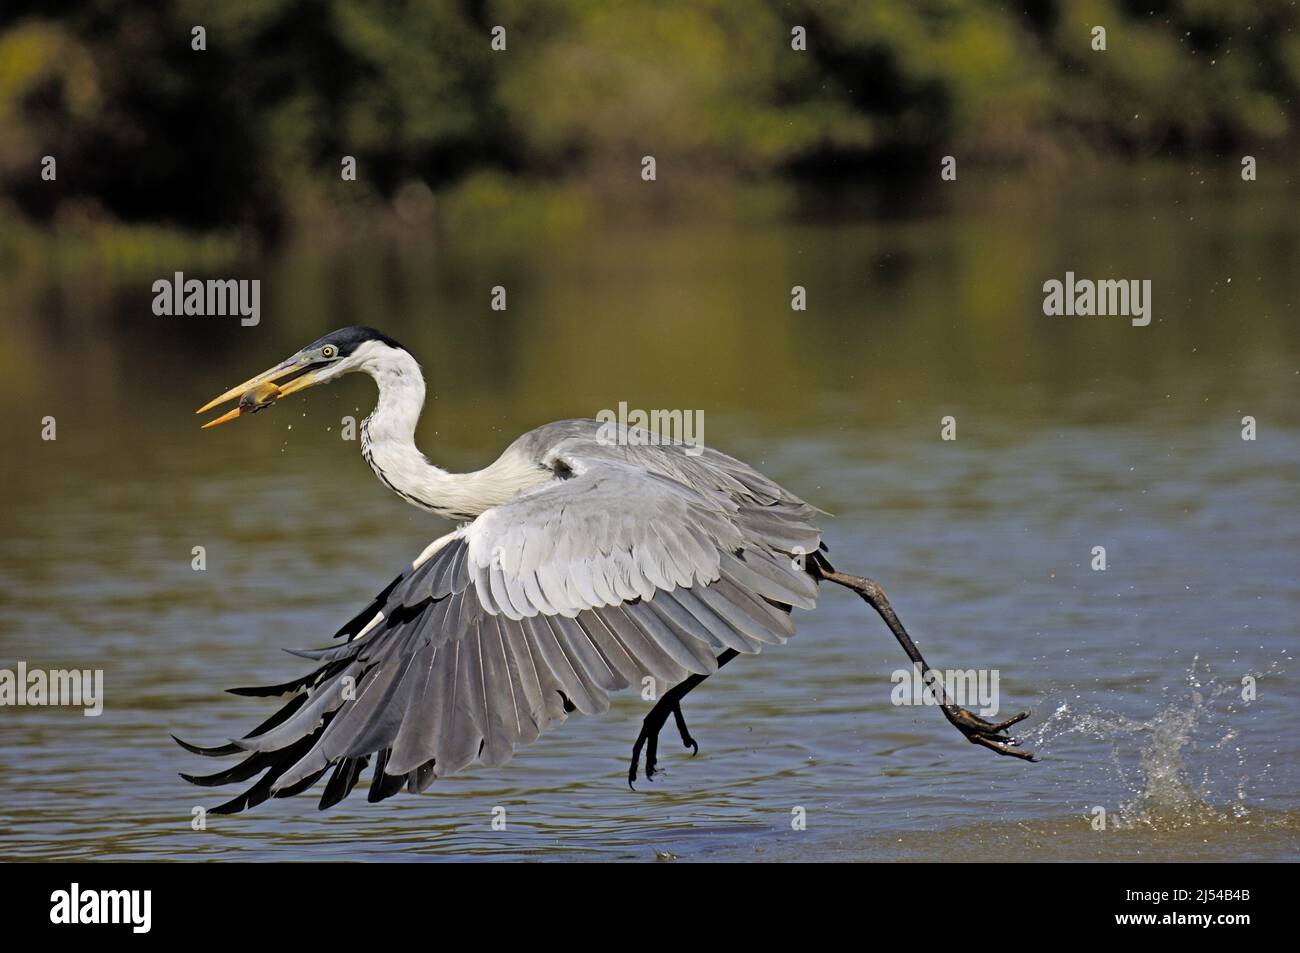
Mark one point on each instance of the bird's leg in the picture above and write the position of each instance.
(669, 703)
(992, 735)
(687, 740)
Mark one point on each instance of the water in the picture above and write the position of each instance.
(1072, 433)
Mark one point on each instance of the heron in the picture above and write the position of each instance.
(585, 560)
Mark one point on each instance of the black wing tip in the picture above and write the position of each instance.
(313, 655)
(213, 752)
(234, 806)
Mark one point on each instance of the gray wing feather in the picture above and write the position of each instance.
(413, 744)
(614, 652)
(657, 662)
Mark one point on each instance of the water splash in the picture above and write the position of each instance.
(1150, 757)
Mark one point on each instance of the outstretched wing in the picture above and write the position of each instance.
(613, 572)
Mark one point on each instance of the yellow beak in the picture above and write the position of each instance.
(261, 391)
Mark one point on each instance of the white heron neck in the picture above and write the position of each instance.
(388, 445)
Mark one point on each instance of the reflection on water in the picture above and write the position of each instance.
(1072, 433)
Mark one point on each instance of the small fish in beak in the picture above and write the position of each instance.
(261, 396)
(250, 402)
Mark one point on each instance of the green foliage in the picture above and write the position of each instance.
(249, 133)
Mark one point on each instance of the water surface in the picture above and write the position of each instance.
(1072, 433)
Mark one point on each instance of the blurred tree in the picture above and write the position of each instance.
(250, 132)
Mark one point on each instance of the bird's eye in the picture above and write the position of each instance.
(327, 350)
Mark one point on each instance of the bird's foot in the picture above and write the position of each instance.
(649, 738)
(992, 735)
